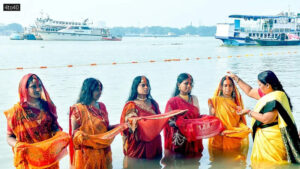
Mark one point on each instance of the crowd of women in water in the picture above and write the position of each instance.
(38, 141)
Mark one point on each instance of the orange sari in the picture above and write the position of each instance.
(90, 147)
(34, 129)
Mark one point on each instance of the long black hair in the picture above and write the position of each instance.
(233, 94)
(180, 79)
(269, 77)
(88, 87)
(134, 93)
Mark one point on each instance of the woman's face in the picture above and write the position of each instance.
(143, 88)
(227, 88)
(96, 93)
(185, 87)
(35, 89)
(265, 88)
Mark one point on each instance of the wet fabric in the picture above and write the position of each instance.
(137, 143)
(90, 146)
(146, 123)
(278, 143)
(31, 125)
(188, 148)
(196, 129)
(42, 154)
(234, 142)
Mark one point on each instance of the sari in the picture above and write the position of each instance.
(90, 146)
(137, 144)
(32, 127)
(278, 141)
(188, 148)
(234, 142)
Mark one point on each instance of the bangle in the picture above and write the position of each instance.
(238, 79)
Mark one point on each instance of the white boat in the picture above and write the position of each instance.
(16, 36)
(246, 29)
(74, 33)
(50, 29)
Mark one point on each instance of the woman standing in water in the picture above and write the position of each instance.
(139, 104)
(31, 122)
(275, 133)
(224, 105)
(175, 141)
(88, 122)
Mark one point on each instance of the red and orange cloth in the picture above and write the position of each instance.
(90, 145)
(35, 130)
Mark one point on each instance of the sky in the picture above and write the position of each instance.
(141, 13)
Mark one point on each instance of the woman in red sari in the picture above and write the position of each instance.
(32, 120)
(88, 122)
(140, 103)
(175, 142)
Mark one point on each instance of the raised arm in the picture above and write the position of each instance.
(247, 89)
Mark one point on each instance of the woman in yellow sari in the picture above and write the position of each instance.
(89, 127)
(233, 142)
(32, 128)
(274, 129)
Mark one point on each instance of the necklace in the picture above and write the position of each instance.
(35, 105)
(185, 97)
(141, 99)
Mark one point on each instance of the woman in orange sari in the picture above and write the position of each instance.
(182, 99)
(140, 103)
(31, 121)
(233, 142)
(89, 118)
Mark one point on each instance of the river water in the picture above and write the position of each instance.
(117, 63)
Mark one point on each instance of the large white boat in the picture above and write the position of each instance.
(247, 29)
(83, 33)
(50, 29)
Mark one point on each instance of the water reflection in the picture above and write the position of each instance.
(173, 161)
(135, 163)
(269, 165)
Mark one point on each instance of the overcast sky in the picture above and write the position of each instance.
(140, 13)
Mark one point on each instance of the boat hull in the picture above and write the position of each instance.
(62, 36)
(235, 41)
(278, 42)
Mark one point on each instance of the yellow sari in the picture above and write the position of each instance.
(234, 141)
(279, 142)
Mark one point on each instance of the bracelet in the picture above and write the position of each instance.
(238, 79)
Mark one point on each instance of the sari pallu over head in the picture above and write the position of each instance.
(23, 94)
(240, 131)
(286, 123)
(28, 137)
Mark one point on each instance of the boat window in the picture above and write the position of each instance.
(85, 28)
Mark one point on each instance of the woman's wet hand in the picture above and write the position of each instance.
(243, 112)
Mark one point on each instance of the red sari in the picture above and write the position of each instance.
(189, 148)
(134, 144)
